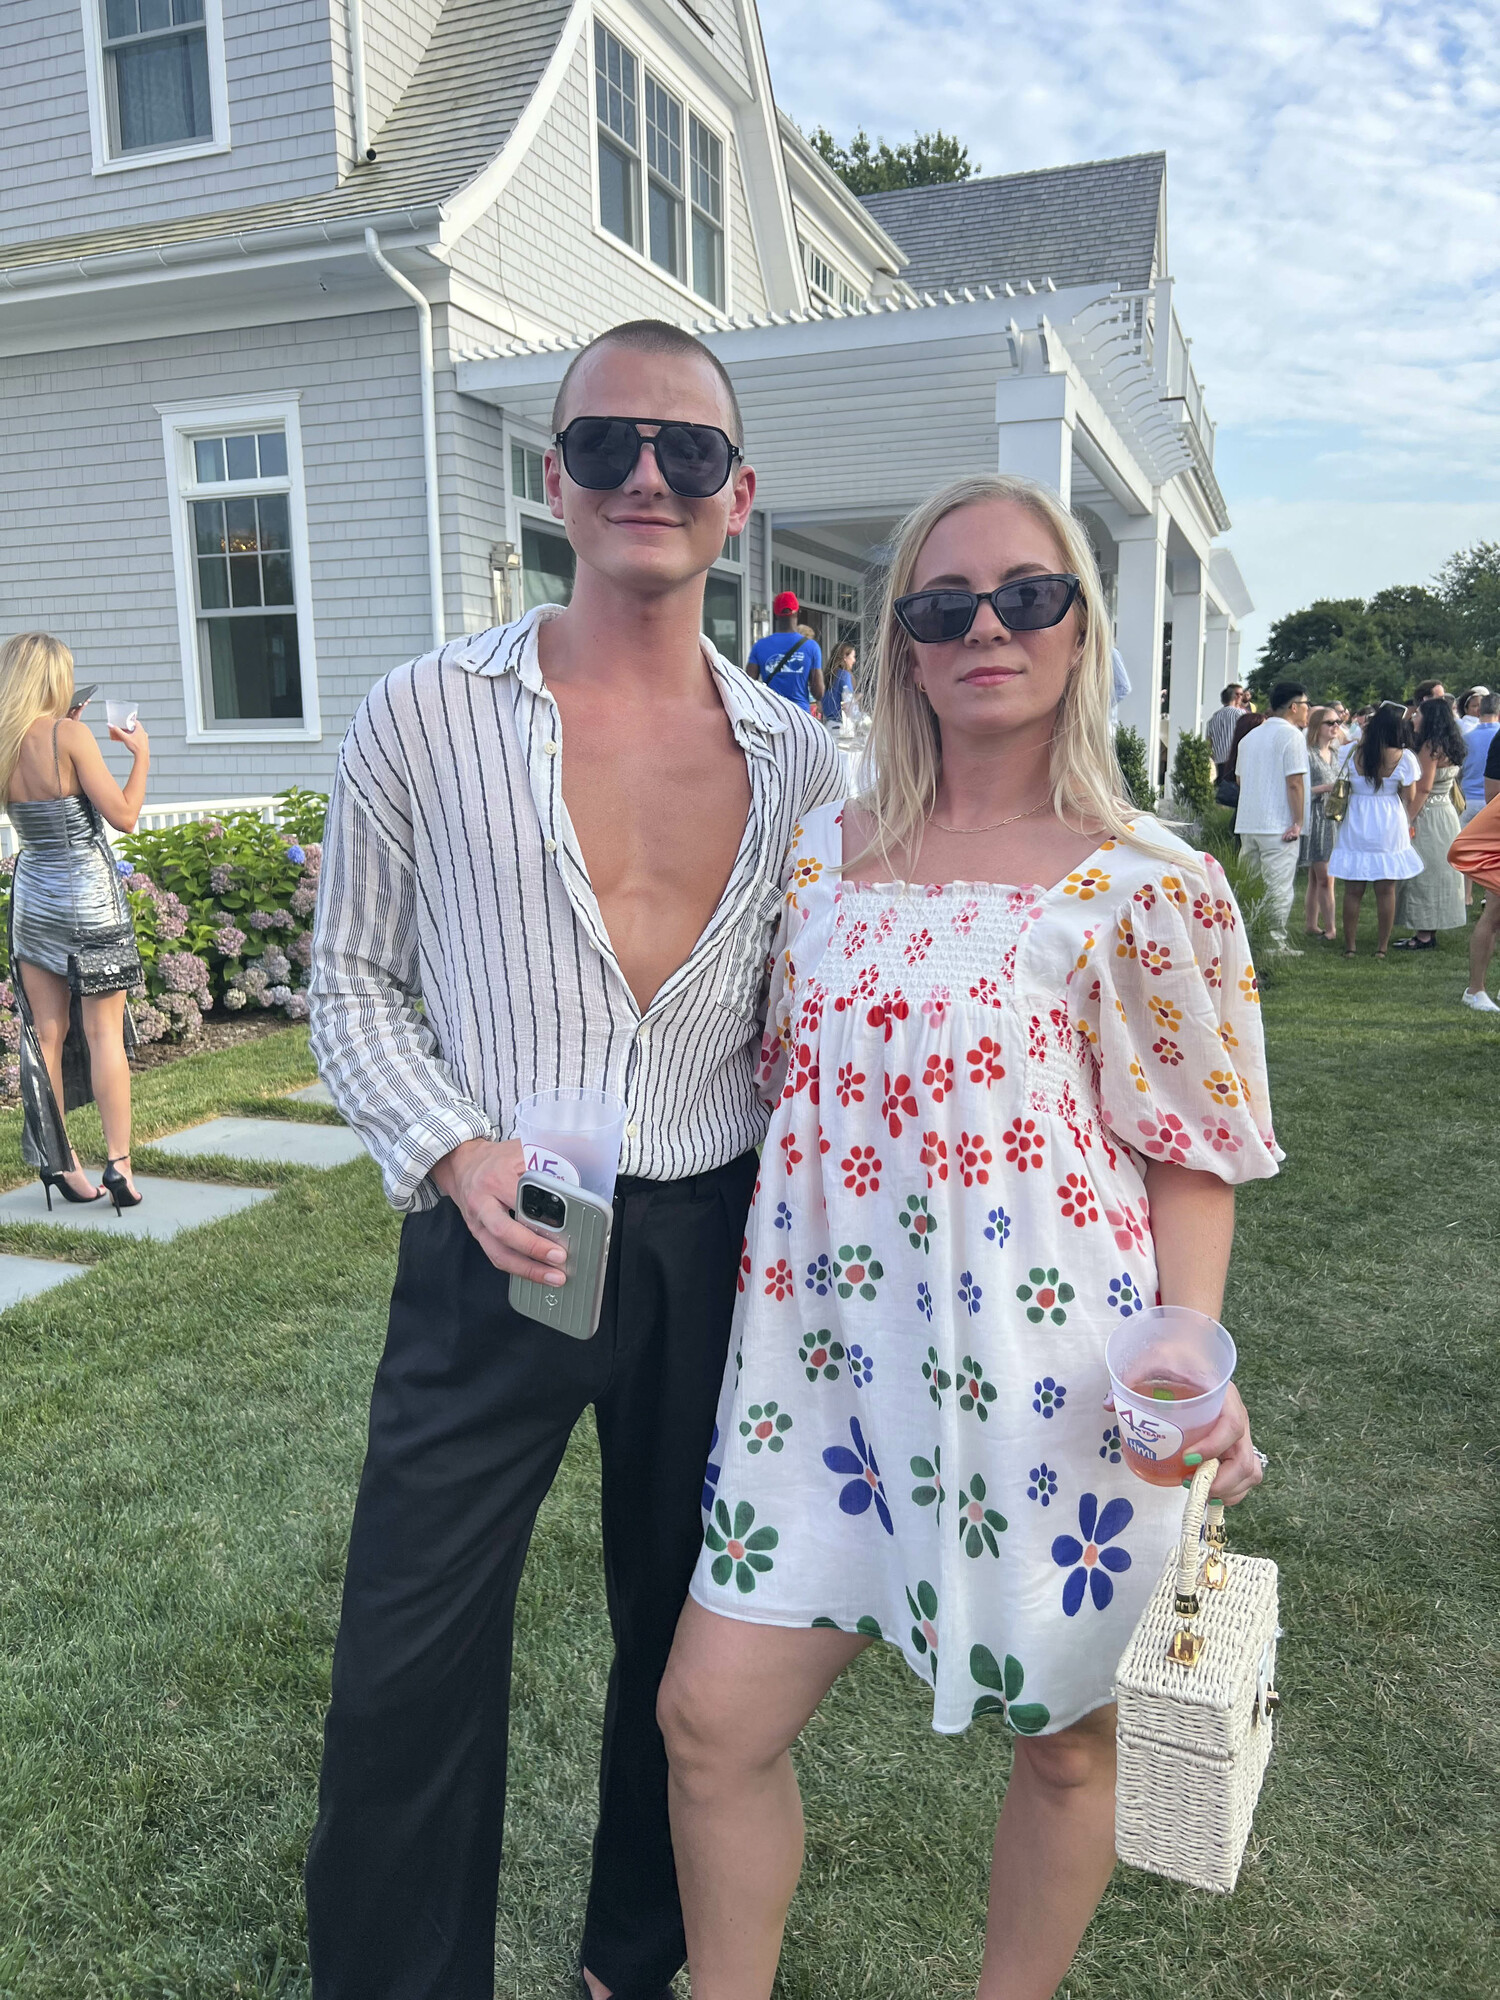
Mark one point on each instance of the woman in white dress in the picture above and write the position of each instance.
(1373, 842)
(1015, 1052)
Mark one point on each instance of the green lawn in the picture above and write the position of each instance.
(180, 1436)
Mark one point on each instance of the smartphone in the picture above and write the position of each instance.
(82, 696)
(581, 1221)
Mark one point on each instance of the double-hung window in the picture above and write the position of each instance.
(708, 211)
(616, 74)
(156, 80)
(664, 203)
(243, 589)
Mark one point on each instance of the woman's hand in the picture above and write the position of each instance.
(136, 741)
(1229, 1442)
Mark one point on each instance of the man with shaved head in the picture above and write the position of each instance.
(568, 835)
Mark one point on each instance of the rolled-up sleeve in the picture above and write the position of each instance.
(374, 1050)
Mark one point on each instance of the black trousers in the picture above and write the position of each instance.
(472, 1409)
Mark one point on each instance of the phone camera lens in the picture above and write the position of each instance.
(541, 1205)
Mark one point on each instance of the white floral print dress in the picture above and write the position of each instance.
(968, 1080)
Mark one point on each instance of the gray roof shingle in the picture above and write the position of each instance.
(475, 77)
(1083, 225)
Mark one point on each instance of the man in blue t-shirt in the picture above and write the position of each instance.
(1479, 741)
(784, 661)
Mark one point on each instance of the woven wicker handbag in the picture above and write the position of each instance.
(1196, 1693)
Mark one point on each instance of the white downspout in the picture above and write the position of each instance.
(429, 429)
(363, 150)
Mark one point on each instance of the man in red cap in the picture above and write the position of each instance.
(784, 660)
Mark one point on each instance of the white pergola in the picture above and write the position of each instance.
(853, 417)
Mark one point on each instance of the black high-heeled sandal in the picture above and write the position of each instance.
(117, 1187)
(59, 1181)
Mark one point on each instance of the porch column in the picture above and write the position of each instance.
(1186, 701)
(1216, 673)
(1034, 416)
(1232, 666)
(1141, 590)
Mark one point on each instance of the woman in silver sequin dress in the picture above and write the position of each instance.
(70, 925)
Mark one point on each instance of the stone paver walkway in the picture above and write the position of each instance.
(312, 1093)
(23, 1277)
(282, 1139)
(167, 1209)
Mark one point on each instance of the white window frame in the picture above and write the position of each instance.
(652, 56)
(106, 162)
(180, 422)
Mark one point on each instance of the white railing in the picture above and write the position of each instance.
(1167, 351)
(153, 817)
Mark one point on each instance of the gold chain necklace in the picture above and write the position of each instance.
(996, 824)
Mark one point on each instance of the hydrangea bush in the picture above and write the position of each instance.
(223, 917)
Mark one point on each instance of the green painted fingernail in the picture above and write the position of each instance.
(1192, 1458)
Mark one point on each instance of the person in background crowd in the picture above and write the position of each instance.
(788, 661)
(1373, 842)
(1227, 790)
(1482, 937)
(1434, 900)
(1425, 691)
(1317, 842)
(1478, 739)
(1468, 708)
(838, 682)
(1272, 771)
(1222, 724)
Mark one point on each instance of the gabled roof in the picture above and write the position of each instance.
(475, 78)
(1083, 225)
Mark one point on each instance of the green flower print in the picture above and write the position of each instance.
(937, 1379)
(764, 1424)
(740, 1548)
(867, 1627)
(919, 1223)
(1044, 1297)
(821, 1355)
(855, 1270)
(924, 1610)
(974, 1393)
(1027, 1717)
(978, 1525)
(929, 1472)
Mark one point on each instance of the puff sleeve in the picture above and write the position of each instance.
(1170, 1005)
(808, 907)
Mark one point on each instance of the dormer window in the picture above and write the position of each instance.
(156, 68)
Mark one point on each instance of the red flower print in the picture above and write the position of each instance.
(934, 1157)
(861, 1169)
(1008, 967)
(887, 1011)
(805, 1072)
(1218, 1135)
(1166, 1051)
(973, 1157)
(917, 947)
(812, 1012)
(1059, 1019)
(854, 939)
(987, 992)
(938, 1077)
(1203, 910)
(1224, 914)
(1165, 1136)
(847, 1089)
(1023, 1144)
(1146, 896)
(1157, 958)
(963, 917)
(867, 981)
(898, 1099)
(789, 1150)
(779, 1280)
(1078, 1201)
(1213, 974)
(744, 1270)
(1036, 1040)
(936, 1005)
(885, 926)
(1129, 1228)
(984, 1062)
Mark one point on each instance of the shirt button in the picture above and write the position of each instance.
(551, 846)
(632, 1130)
(549, 748)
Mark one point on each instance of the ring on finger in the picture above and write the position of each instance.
(1261, 1458)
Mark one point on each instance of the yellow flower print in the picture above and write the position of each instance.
(1108, 846)
(1250, 987)
(1120, 1010)
(1089, 1034)
(1222, 1088)
(1228, 1037)
(1085, 884)
(1164, 1014)
(1146, 896)
(1124, 940)
(806, 872)
(1244, 1091)
(1174, 892)
(1139, 1076)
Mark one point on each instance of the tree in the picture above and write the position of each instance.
(1469, 586)
(1324, 625)
(1414, 625)
(930, 160)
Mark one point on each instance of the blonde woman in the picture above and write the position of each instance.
(1317, 843)
(70, 927)
(1015, 1054)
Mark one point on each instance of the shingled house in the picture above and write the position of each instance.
(286, 288)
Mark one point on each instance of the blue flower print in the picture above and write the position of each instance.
(1110, 1448)
(819, 1277)
(997, 1227)
(711, 1473)
(1125, 1296)
(783, 1216)
(861, 1367)
(924, 1302)
(1093, 1560)
(1043, 1484)
(1049, 1397)
(858, 1467)
(969, 1294)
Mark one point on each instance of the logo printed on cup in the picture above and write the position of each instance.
(1145, 1431)
(538, 1160)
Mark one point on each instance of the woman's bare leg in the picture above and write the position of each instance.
(104, 1024)
(1310, 900)
(1385, 914)
(1354, 896)
(734, 1699)
(1325, 918)
(50, 999)
(1054, 1853)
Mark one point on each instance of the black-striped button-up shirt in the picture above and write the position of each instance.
(452, 877)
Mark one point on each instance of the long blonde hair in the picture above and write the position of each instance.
(36, 679)
(904, 755)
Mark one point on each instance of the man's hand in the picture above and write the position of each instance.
(1293, 832)
(480, 1177)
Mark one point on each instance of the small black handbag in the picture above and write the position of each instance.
(107, 963)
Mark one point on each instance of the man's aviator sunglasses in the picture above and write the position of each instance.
(1029, 604)
(600, 453)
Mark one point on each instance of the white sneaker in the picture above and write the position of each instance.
(1285, 950)
(1481, 1003)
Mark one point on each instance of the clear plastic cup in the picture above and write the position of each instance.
(122, 715)
(1169, 1368)
(576, 1129)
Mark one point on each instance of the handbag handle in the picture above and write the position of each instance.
(1192, 1527)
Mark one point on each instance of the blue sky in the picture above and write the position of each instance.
(1333, 216)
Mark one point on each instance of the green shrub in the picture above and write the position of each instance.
(1193, 773)
(1130, 755)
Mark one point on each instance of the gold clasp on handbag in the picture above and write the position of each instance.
(1185, 1647)
(1215, 1571)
